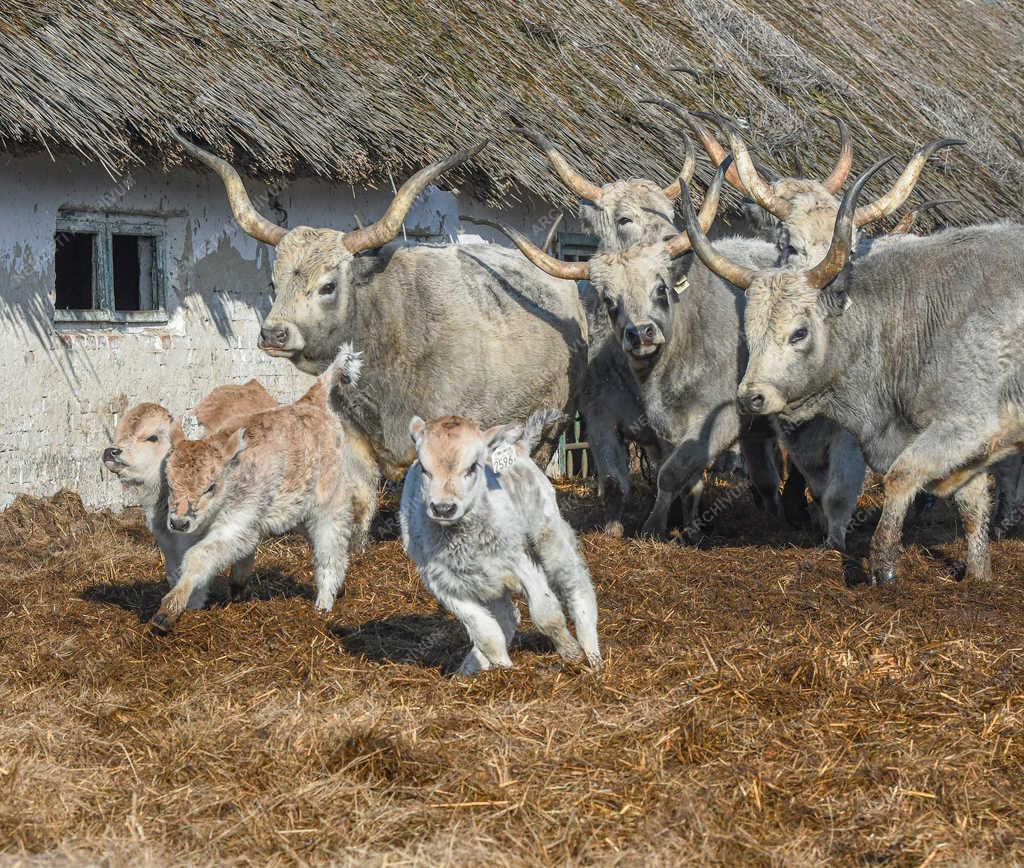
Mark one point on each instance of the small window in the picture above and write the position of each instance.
(576, 247)
(109, 268)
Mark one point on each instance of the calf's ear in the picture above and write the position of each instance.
(500, 446)
(234, 444)
(416, 428)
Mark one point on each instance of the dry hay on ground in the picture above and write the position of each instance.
(754, 709)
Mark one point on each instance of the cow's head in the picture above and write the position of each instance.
(197, 471)
(806, 208)
(141, 442)
(453, 455)
(639, 285)
(789, 313)
(312, 270)
(621, 213)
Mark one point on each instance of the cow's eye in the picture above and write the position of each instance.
(425, 472)
(328, 288)
(152, 438)
(610, 304)
(661, 293)
(211, 489)
(472, 470)
(624, 221)
(799, 336)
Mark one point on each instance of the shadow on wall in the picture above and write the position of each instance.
(223, 280)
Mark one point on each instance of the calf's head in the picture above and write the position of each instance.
(453, 454)
(789, 314)
(197, 473)
(313, 269)
(141, 442)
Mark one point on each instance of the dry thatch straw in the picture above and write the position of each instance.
(354, 90)
(754, 710)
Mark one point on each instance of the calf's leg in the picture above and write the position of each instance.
(485, 632)
(546, 611)
(329, 533)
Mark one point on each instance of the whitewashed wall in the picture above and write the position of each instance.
(63, 386)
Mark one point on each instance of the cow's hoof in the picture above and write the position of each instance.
(614, 529)
(162, 623)
(882, 576)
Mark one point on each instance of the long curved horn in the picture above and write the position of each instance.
(710, 144)
(758, 189)
(385, 229)
(834, 182)
(554, 267)
(673, 190)
(552, 233)
(735, 274)
(708, 211)
(254, 223)
(909, 220)
(904, 186)
(572, 179)
(822, 274)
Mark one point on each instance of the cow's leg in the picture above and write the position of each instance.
(1009, 503)
(485, 632)
(975, 505)
(329, 532)
(241, 572)
(198, 565)
(611, 457)
(506, 614)
(546, 610)
(758, 447)
(846, 469)
(703, 441)
(566, 571)
(938, 452)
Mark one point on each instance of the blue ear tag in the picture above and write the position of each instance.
(503, 458)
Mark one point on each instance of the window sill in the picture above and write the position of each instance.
(146, 317)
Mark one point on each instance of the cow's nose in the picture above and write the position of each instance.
(648, 331)
(274, 336)
(110, 453)
(443, 509)
(179, 524)
(752, 402)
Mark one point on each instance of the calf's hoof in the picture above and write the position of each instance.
(162, 623)
(881, 576)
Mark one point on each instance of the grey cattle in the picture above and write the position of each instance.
(443, 328)
(620, 214)
(914, 349)
(826, 454)
(679, 327)
(481, 522)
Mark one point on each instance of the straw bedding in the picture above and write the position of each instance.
(754, 710)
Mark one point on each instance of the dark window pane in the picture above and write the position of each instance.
(74, 266)
(133, 258)
(126, 272)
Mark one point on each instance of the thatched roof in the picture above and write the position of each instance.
(357, 89)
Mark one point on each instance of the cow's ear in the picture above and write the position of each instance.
(177, 434)
(835, 303)
(416, 428)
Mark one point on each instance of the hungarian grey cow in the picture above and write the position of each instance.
(679, 327)
(914, 349)
(442, 328)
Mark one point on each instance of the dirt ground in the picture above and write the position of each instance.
(755, 708)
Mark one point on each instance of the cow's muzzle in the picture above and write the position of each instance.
(759, 399)
(180, 524)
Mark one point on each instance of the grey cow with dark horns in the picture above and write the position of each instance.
(440, 327)
(915, 349)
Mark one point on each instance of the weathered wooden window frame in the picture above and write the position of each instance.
(573, 454)
(103, 227)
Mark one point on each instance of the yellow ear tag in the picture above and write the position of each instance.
(682, 284)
